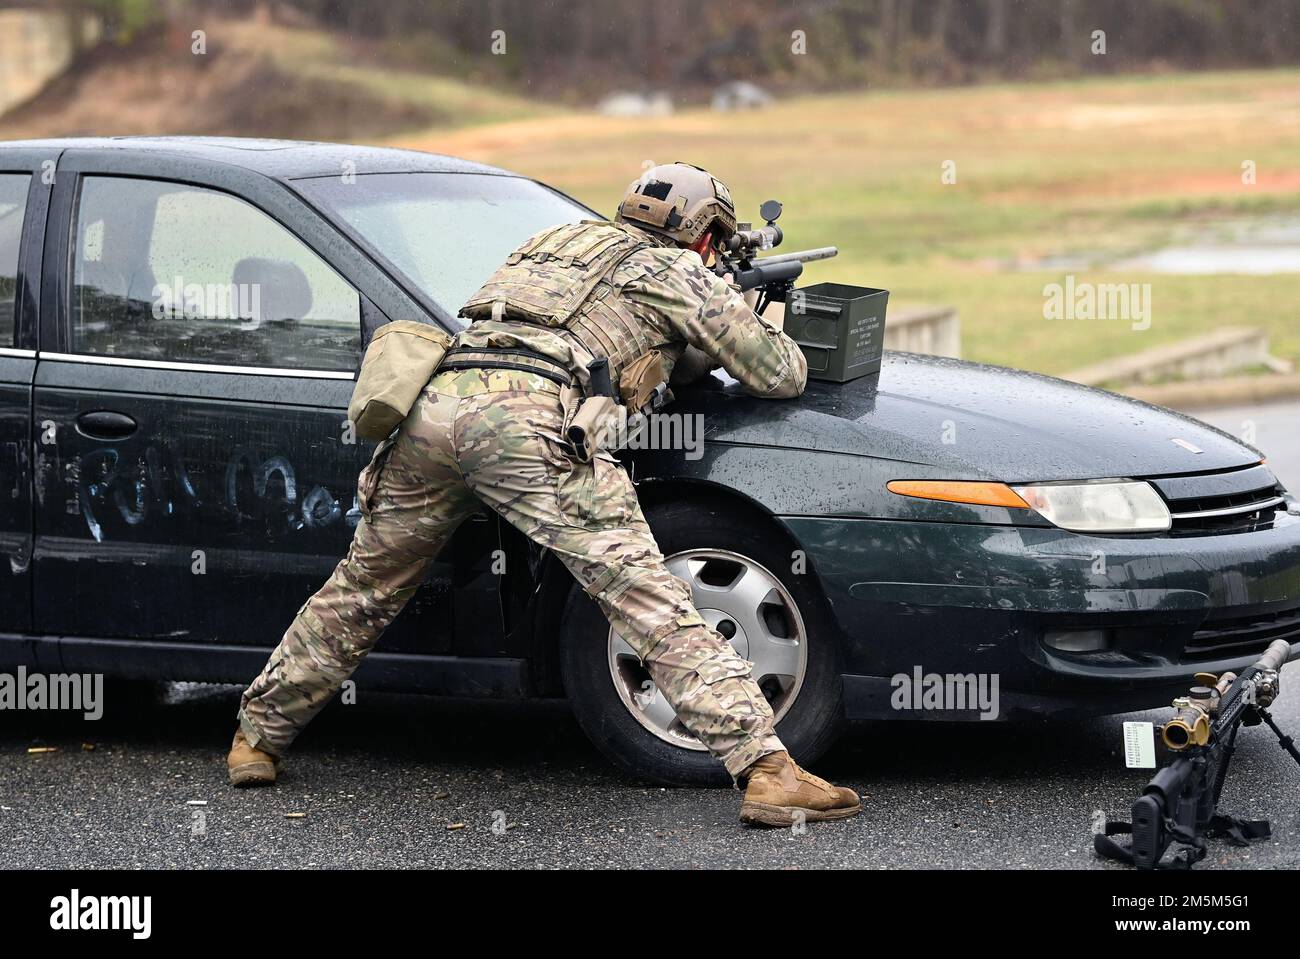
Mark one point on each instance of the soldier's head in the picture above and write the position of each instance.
(682, 203)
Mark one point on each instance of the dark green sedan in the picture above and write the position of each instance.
(940, 540)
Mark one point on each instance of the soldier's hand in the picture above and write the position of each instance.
(693, 366)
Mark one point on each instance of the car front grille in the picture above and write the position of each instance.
(1238, 501)
(1242, 635)
(1235, 513)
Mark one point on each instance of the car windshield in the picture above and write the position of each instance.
(446, 231)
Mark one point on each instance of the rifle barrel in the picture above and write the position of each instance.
(800, 256)
(1275, 656)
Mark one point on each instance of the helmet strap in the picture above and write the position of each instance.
(703, 245)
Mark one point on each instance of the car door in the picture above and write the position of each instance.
(24, 198)
(199, 471)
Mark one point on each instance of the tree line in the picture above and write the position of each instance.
(572, 45)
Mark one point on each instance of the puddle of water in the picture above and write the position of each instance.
(1195, 260)
(1256, 247)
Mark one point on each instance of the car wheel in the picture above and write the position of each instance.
(741, 582)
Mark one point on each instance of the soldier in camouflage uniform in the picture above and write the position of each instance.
(491, 427)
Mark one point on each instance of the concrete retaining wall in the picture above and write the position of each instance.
(1213, 355)
(923, 329)
(35, 47)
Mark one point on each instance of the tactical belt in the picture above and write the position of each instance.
(500, 358)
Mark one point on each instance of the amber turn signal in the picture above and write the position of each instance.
(959, 491)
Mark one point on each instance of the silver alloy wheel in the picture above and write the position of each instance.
(746, 604)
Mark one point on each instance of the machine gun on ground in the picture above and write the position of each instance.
(1180, 804)
(773, 275)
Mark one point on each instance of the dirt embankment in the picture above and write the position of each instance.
(159, 85)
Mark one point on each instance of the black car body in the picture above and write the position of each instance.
(176, 486)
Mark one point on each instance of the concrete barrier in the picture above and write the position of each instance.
(1229, 391)
(35, 47)
(924, 329)
(1213, 355)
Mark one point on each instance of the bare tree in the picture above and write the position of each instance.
(995, 29)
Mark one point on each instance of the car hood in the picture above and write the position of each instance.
(962, 419)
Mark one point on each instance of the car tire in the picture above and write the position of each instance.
(811, 720)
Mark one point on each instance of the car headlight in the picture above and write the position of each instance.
(1106, 507)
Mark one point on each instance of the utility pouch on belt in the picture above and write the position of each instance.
(639, 382)
(398, 363)
(597, 417)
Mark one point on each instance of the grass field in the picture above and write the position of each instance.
(1107, 166)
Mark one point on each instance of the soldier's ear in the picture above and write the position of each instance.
(703, 246)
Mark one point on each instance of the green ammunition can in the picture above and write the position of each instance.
(840, 328)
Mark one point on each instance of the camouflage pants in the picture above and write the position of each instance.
(495, 436)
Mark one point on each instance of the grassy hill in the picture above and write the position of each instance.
(1094, 169)
(255, 79)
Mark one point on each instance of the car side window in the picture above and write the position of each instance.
(167, 271)
(13, 205)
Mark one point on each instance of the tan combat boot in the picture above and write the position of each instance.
(249, 766)
(777, 791)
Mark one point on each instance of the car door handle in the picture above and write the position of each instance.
(105, 425)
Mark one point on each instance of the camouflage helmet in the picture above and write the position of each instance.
(679, 201)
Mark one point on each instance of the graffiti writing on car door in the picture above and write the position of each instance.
(251, 492)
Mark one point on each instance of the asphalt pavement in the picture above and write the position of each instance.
(1273, 428)
(397, 781)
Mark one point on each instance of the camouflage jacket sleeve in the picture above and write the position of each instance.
(707, 313)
